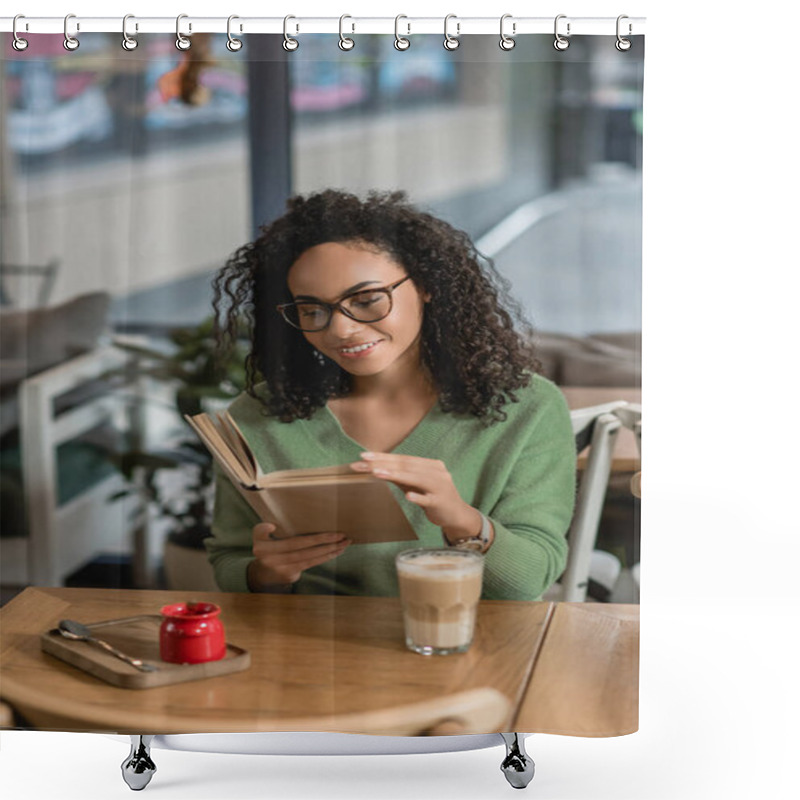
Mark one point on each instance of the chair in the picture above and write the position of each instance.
(47, 273)
(597, 427)
(56, 406)
(631, 417)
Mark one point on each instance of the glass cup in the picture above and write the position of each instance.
(439, 592)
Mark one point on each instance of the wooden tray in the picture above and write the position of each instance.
(136, 637)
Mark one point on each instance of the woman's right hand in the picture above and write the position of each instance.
(280, 562)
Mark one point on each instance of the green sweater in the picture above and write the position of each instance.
(519, 472)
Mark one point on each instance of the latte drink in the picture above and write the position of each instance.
(439, 591)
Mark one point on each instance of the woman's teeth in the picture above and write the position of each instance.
(358, 348)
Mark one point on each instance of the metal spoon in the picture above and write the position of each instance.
(70, 629)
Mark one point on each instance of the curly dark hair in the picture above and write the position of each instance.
(473, 352)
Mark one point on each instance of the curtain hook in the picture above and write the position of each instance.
(289, 44)
(18, 43)
(344, 42)
(70, 42)
(128, 42)
(233, 44)
(451, 42)
(623, 44)
(506, 42)
(561, 42)
(181, 41)
(400, 42)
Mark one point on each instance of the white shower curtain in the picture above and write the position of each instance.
(130, 178)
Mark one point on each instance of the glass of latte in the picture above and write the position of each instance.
(439, 592)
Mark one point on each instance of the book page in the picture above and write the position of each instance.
(337, 473)
(232, 438)
(221, 450)
(239, 443)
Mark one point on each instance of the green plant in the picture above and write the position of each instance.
(192, 368)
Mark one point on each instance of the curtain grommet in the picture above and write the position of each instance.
(182, 42)
(561, 42)
(128, 43)
(451, 42)
(400, 42)
(233, 44)
(70, 42)
(18, 43)
(507, 42)
(289, 43)
(345, 43)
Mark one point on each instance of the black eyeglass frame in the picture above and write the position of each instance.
(331, 307)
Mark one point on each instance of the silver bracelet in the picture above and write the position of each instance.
(481, 542)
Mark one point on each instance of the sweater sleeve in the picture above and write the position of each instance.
(534, 511)
(230, 547)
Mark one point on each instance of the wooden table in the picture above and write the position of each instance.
(586, 678)
(564, 668)
(626, 452)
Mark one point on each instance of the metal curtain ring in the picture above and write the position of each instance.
(451, 42)
(181, 41)
(344, 42)
(234, 45)
(561, 42)
(623, 44)
(18, 43)
(70, 42)
(506, 42)
(289, 44)
(401, 43)
(128, 42)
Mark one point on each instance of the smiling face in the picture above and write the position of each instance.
(331, 271)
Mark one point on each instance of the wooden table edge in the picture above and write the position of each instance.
(27, 705)
(604, 734)
(596, 608)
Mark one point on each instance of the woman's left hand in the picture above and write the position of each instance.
(427, 483)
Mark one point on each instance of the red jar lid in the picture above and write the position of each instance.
(191, 610)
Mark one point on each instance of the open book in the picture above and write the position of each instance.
(305, 500)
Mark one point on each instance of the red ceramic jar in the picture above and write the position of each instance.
(191, 633)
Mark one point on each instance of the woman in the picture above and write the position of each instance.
(379, 341)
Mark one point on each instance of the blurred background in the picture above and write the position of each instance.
(152, 194)
(129, 178)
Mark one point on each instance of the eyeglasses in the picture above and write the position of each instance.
(369, 305)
